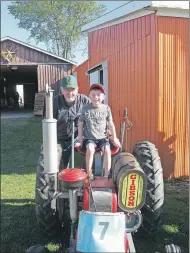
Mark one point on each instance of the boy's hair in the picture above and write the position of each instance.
(97, 86)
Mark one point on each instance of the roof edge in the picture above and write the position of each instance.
(134, 7)
(37, 49)
(131, 16)
(120, 12)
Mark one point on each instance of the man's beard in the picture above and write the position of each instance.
(70, 100)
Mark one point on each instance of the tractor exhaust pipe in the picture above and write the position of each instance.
(49, 125)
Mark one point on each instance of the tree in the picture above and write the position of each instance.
(56, 23)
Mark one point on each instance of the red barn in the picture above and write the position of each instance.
(139, 53)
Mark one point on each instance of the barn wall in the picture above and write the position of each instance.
(130, 48)
(141, 76)
(173, 94)
(28, 55)
(52, 74)
(82, 78)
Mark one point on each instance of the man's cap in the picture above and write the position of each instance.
(69, 82)
(97, 86)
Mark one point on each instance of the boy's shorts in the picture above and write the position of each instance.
(97, 143)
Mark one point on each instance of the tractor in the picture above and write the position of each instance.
(91, 213)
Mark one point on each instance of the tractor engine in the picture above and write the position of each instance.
(131, 184)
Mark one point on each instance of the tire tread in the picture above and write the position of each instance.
(148, 158)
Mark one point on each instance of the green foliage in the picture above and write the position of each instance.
(56, 23)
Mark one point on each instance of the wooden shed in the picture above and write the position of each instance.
(139, 53)
(23, 64)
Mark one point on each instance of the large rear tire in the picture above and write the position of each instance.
(46, 184)
(148, 158)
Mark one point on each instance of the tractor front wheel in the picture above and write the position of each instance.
(46, 209)
(149, 160)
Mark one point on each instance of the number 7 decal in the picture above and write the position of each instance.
(106, 225)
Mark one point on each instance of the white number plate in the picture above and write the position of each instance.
(101, 232)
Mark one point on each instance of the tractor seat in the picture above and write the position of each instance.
(114, 149)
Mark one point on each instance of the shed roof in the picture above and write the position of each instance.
(134, 9)
(37, 49)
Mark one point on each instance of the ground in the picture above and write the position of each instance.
(21, 139)
(16, 113)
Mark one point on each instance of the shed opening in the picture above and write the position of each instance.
(15, 78)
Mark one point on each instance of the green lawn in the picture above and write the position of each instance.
(20, 144)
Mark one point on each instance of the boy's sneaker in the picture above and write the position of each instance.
(91, 177)
(108, 177)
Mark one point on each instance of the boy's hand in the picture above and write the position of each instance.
(117, 142)
(80, 141)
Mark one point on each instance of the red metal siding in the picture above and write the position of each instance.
(173, 89)
(147, 74)
(130, 48)
(52, 74)
(82, 78)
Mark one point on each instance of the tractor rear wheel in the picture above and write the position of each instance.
(148, 158)
(46, 209)
(172, 248)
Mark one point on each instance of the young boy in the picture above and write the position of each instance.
(96, 120)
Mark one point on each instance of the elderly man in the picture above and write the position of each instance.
(67, 108)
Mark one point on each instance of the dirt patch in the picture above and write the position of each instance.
(177, 186)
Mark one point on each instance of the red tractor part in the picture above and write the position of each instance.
(72, 178)
(114, 149)
(107, 197)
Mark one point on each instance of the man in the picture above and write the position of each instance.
(67, 108)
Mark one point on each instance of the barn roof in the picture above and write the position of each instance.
(135, 9)
(37, 49)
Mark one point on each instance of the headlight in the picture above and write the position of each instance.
(133, 221)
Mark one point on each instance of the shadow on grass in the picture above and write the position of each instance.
(20, 146)
(19, 228)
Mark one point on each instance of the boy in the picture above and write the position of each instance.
(96, 120)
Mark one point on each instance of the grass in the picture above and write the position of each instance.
(20, 144)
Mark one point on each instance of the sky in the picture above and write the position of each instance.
(9, 26)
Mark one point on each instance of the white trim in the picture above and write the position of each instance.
(37, 49)
(105, 79)
(136, 9)
(132, 16)
(99, 64)
(172, 4)
(170, 12)
(119, 13)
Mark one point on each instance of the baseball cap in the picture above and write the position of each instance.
(97, 86)
(69, 82)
